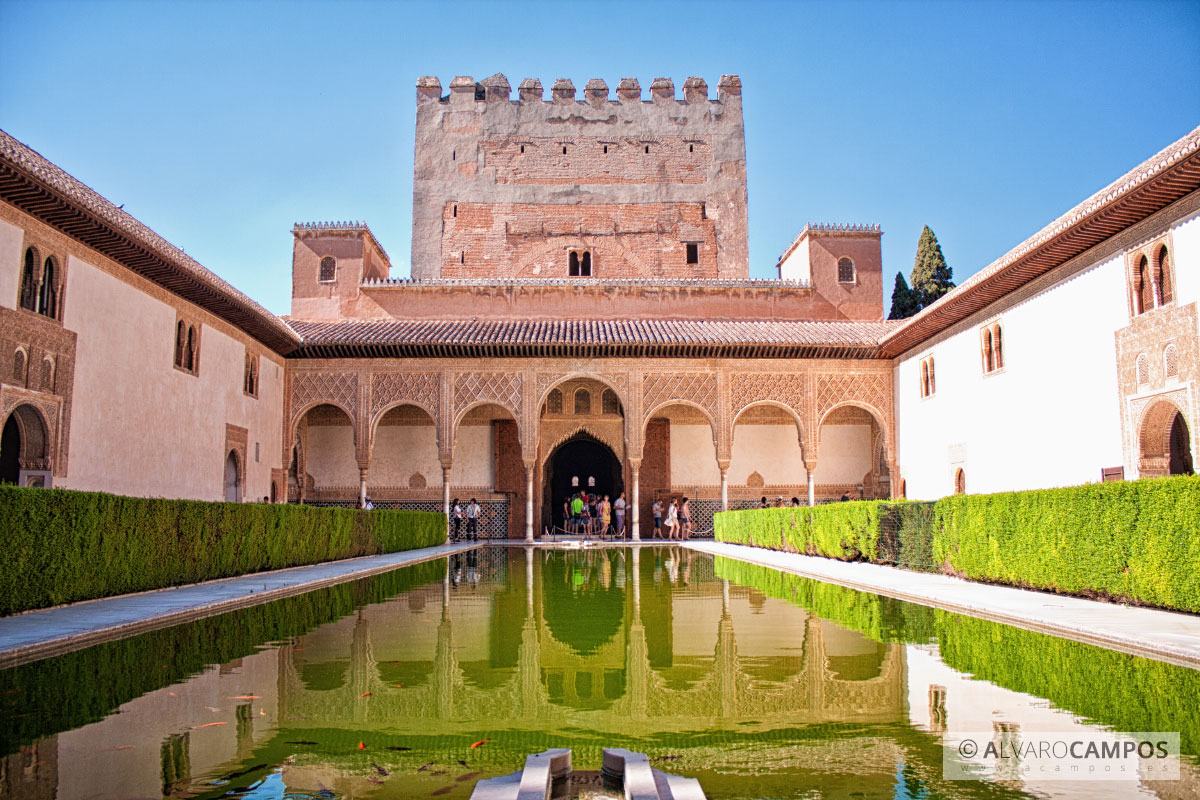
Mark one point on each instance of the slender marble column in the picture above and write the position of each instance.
(446, 498)
(725, 489)
(529, 502)
(637, 530)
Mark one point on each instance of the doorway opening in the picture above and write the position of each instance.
(583, 463)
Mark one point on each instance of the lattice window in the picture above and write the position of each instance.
(554, 402)
(609, 402)
(845, 270)
(1171, 361)
(19, 362)
(583, 401)
(1143, 370)
(328, 269)
(47, 375)
(29, 288)
(48, 295)
(1162, 275)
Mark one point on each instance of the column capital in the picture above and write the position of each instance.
(723, 464)
(364, 464)
(447, 463)
(634, 463)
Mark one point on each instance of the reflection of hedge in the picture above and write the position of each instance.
(1122, 691)
(61, 546)
(63, 693)
(1125, 540)
(1132, 539)
(838, 530)
(881, 618)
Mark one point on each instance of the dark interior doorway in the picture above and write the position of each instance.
(1180, 452)
(10, 451)
(581, 457)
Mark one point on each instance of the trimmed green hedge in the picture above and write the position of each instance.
(849, 531)
(1132, 540)
(1135, 539)
(61, 546)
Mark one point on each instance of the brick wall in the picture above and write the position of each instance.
(510, 473)
(655, 474)
(598, 159)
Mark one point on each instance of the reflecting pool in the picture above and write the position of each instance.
(419, 682)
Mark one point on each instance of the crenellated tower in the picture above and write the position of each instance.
(594, 186)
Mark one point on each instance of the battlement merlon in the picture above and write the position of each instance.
(464, 91)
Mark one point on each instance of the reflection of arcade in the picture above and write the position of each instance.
(584, 651)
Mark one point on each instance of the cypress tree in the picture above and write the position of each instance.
(905, 302)
(931, 276)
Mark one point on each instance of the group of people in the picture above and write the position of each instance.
(594, 514)
(778, 503)
(679, 519)
(472, 514)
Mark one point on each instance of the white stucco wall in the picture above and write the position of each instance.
(400, 451)
(330, 459)
(11, 262)
(1051, 417)
(474, 459)
(139, 426)
(693, 456)
(773, 451)
(1186, 236)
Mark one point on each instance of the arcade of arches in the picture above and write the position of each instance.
(521, 433)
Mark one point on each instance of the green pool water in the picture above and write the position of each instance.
(419, 682)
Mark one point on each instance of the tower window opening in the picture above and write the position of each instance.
(522, 148)
(564, 151)
(647, 148)
(606, 149)
(454, 211)
(693, 254)
(462, 256)
(328, 269)
(573, 264)
(579, 264)
(585, 264)
(454, 155)
(845, 270)
(691, 148)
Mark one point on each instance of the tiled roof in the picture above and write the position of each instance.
(686, 283)
(1167, 176)
(589, 338)
(47, 192)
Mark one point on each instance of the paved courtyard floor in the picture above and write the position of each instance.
(1164, 635)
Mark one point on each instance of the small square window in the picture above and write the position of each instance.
(693, 254)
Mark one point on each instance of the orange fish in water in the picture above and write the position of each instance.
(247, 697)
(364, 694)
(479, 743)
(208, 725)
(362, 746)
(399, 685)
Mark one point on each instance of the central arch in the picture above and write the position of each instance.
(581, 463)
(1164, 442)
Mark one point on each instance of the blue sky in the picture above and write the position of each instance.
(221, 124)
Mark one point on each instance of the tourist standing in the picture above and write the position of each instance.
(457, 513)
(619, 508)
(473, 513)
(605, 516)
(672, 520)
(656, 512)
(576, 513)
(685, 519)
(763, 503)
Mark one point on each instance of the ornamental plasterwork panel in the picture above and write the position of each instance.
(752, 387)
(870, 388)
(503, 388)
(695, 387)
(339, 388)
(49, 407)
(419, 388)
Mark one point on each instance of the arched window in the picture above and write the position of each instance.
(19, 367)
(902, 492)
(932, 378)
(1171, 361)
(987, 351)
(554, 402)
(573, 264)
(29, 290)
(189, 354)
(924, 379)
(1143, 370)
(328, 269)
(609, 404)
(997, 347)
(1162, 276)
(583, 401)
(180, 342)
(48, 297)
(579, 264)
(250, 376)
(1147, 286)
(845, 270)
(960, 482)
(47, 375)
